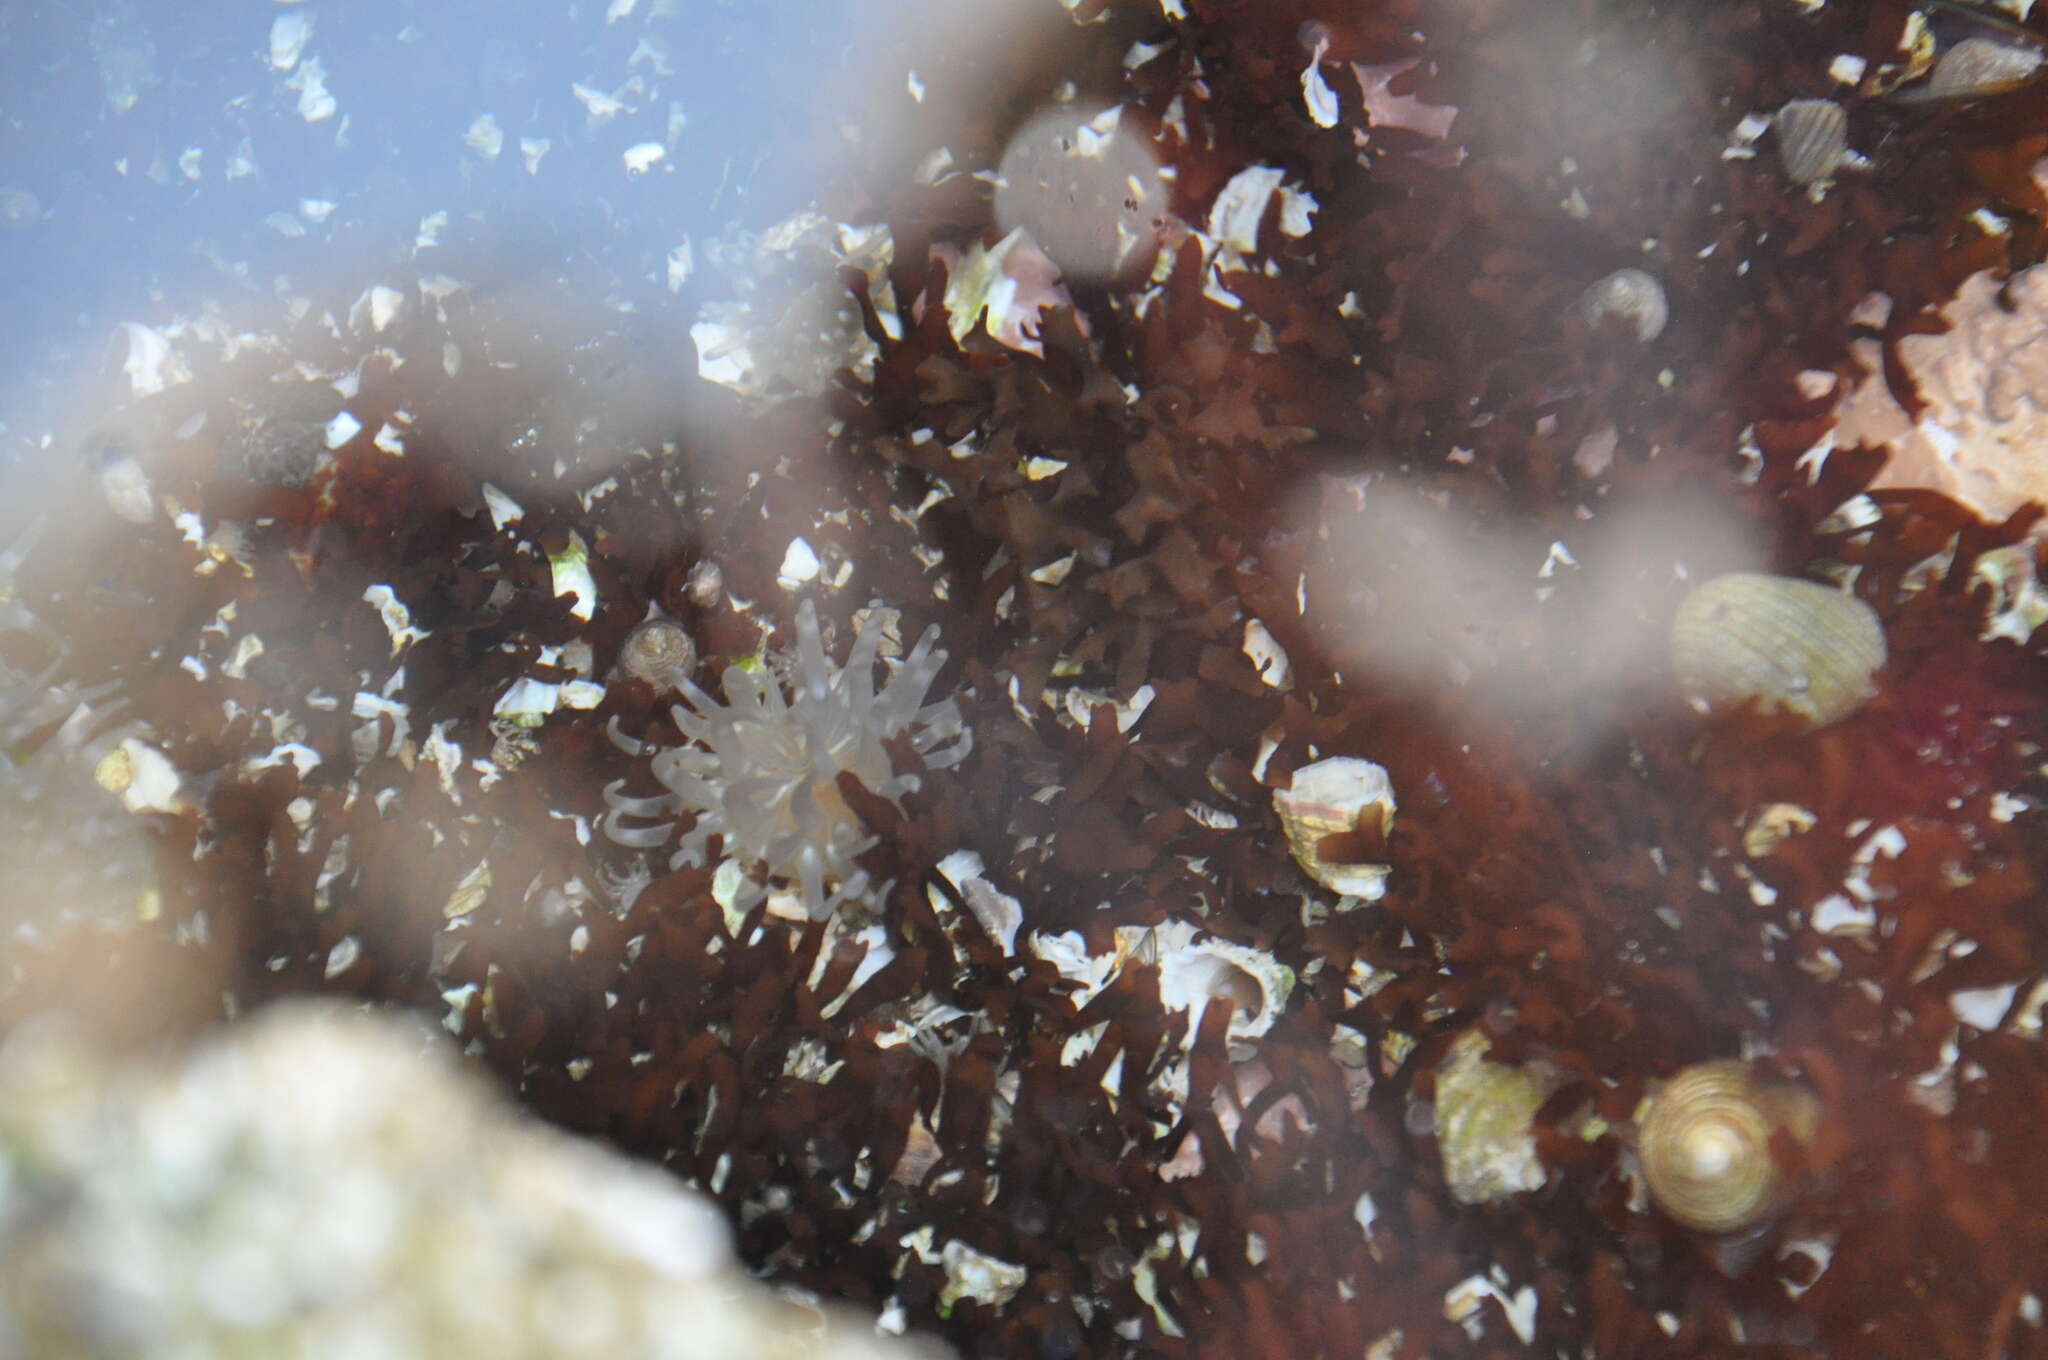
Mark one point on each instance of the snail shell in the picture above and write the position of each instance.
(1337, 797)
(1633, 295)
(1976, 67)
(660, 652)
(1778, 640)
(1813, 136)
(1704, 1138)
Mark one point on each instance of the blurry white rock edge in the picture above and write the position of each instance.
(319, 1181)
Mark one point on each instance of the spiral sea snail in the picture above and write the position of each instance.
(1779, 641)
(1704, 1138)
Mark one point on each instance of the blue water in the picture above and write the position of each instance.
(150, 153)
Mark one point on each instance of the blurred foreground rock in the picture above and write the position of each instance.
(327, 1183)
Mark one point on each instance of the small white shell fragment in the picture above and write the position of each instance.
(600, 106)
(799, 565)
(126, 488)
(570, 570)
(1068, 952)
(682, 262)
(397, 618)
(1772, 825)
(310, 82)
(1983, 1007)
(143, 776)
(150, 365)
(999, 913)
(1298, 209)
(385, 304)
(642, 157)
(531, 149)
(288, 36)
(1328, 798)
(1462, 1305)
(342, 428)
(485, 137)
(1234, 216)
(342, 957)
(504, 510)
(1268, 657)
(971, 1274)
(723, 356)
(1321, 99)
(298, 755)
(469, 894)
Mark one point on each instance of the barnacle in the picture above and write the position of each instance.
(762, 768)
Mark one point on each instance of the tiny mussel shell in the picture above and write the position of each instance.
(1778, 640)
(1976, 67)
(1633, 295)
(660, 652)
(1333, 798)
(1704, 1139)
(1813, 136)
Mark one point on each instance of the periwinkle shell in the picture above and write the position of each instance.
(1778, 640)
(1813, 136)
(1704, 1139)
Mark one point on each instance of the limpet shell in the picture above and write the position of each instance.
(1634, 295)
(1778, 640)
(1704, 1139)
(1813, 136)
(1337, 797)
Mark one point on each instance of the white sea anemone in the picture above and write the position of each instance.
(761, 770)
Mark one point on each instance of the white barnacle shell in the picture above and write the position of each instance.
(1485, 1120)
(1633, 295)
(1336, 797)
(1704, 1138)
(1813, 136)
(658, 651)
(1780, 641)
(1196, 969)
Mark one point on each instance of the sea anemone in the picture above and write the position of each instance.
(762, 770)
